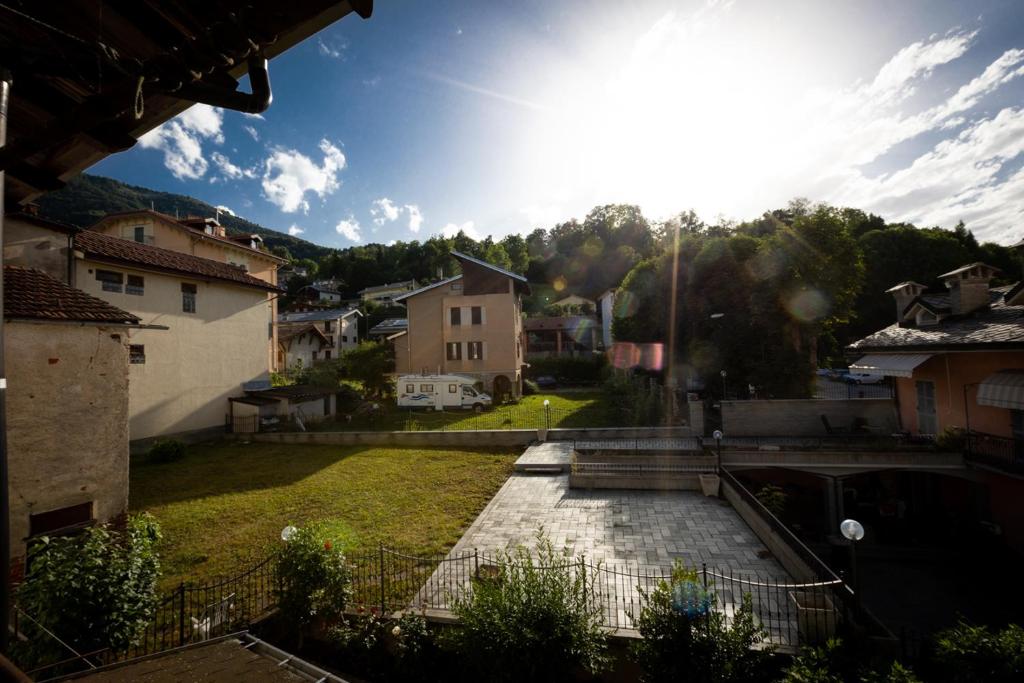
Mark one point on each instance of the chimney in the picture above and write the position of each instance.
(968, 287)
(905, 292)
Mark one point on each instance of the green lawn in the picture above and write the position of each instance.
(224, 505)
(567, 409)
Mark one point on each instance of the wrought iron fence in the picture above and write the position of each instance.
(995, 451)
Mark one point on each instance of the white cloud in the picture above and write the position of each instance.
(230, 170)
(288, 175)
(251, 130)
(349, 228)
(334, 51)
(295, 230)
(415, 217)
(224, 209)
(384, 210)
(391, 243)
(452, 229)
(181, 140)
(253, 116)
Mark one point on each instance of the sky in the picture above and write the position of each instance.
(498, 118)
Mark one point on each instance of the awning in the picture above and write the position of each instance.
(890, 364)
(1003, 389)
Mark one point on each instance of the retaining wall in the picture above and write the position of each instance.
(802, 417)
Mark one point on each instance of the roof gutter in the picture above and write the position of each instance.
(83, 323)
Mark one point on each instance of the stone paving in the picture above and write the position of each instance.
(633, 536)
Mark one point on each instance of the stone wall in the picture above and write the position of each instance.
(802, 417)
(67, 421)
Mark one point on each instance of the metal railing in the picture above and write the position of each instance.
(995, 451)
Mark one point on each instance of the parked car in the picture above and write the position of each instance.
(546, 382)
(863, 378)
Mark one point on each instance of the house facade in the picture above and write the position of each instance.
(203, 237)
(554, 336)
(470, 324)
(67, 407)
(302, 345)
(386, 293)
(339, 328)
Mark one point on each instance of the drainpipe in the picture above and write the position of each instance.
(5, 509)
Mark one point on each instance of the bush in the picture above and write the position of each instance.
(773, 498)
(535, 621)
(965, 654)
(951, 439)
(694, 643)
(836, 663)
(96, 589)
(166, 450)
(530, 387)
(315, 580)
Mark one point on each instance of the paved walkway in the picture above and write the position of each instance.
(634, 536)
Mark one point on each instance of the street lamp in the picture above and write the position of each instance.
(547, 414)
(722, 373)
(718, 446)
(852, 531)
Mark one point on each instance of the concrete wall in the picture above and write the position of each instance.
(67, 420)
(949, 373)
(300, 350)
(32, 246)
(202, 359)
(802, 417)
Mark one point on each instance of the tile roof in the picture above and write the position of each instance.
(466, 257)
(999, 326)
(106, 248)
(565, 322)
(406, 284)
(35, 295)
(390, 325)
(288, 332)
(425, 288)
(313, 316)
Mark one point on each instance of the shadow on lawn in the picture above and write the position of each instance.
(228, 467)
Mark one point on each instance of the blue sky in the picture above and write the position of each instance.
(502, 117)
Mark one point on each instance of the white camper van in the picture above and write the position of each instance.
(440, 392)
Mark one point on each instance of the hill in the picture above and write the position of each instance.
(87, 198)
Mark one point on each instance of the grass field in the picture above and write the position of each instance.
(568, 409)
(223, 506)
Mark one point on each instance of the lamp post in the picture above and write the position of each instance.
(722, 373)
(718, 447)
(853, 531)
(547, 414)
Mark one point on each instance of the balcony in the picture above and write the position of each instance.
(996, 452)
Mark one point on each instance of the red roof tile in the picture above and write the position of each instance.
(33, 294)
(106, 248)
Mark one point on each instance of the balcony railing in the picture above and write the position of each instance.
(998, 452)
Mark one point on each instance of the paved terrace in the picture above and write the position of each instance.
(632, 534)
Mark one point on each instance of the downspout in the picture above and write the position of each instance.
(5, 508)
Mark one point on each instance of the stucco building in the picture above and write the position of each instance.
(67, 407)
(338, 328)
(470, 324)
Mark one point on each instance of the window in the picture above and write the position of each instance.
(327, 354)
(456, 287)
(327, 325)
(477, 315)
(926, 422)
(139, 233)
(188, 298)
(111, 280)
(456, 316)
(57, 520)
(410, 388)
(344, 337)
(136, 285)
(313, 355)
(427, 388)
(475, 350)
(137, 354)
(454, 351)
(453, 388)
(468, 391)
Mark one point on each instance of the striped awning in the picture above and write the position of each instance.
(890, 364)
(1003, 389)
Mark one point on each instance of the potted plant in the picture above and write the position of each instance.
(710, 483)
(815, 616)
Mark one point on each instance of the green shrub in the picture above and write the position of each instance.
(951, 439)
(966, 653)
(773, 498)
(95, 589)
(166, 450)
(315, 580)
(536, 620)
(696, 644)
(838, 663)
(530, 387)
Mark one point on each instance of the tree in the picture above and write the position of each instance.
(518, 253)
(370, 363)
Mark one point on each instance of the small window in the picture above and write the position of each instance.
(327, 325)
(140, 234)
(456, 287)
(410, 388)
(453, 388)
(477, 314)
(454, 351)
(313, 355)
(427, 388)
(111, 280)
(136, 285)
(327, 354)
(344, 337)
(137, 354)
(60, 520)
(468, 391)
(475, 350)
(188, 298)
(456, 316)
